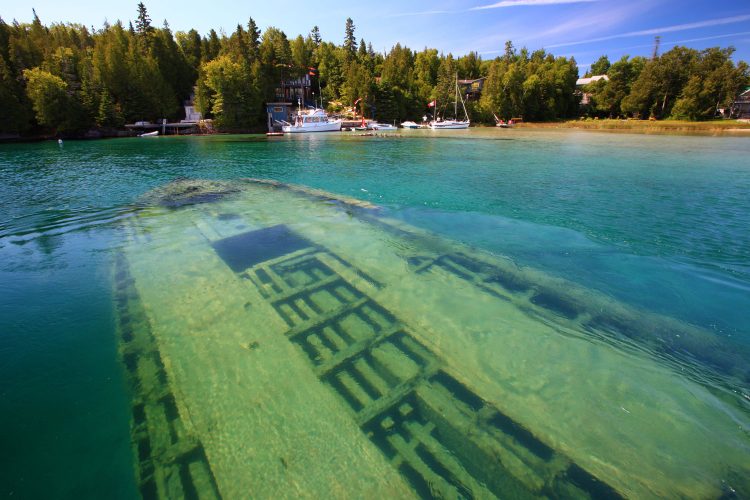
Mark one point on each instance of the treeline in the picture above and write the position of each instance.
(682, 84)
(67, 78)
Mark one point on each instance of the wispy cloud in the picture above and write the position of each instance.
(424, 13)
(592, 20)
(527, 3)
(689, 40)
(596, 20)
(497, 5)
(657, 31)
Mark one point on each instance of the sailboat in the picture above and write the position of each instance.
(455, 123)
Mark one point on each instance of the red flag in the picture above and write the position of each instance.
(431, 104)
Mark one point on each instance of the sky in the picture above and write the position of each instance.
(584, 29)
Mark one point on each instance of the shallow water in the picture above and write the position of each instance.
(654, 230)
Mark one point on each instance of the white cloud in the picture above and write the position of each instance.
(527, 3)
(423, 13)
(657, 31)
(497, 5)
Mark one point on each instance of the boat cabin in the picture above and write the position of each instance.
(310, 116)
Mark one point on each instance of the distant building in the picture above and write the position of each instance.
(277, 113)
(472, 89)
(295, 90)
(585, 81)
(191, 114)
(582, 82)
(740, 108)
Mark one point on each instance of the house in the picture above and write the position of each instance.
(295, 90)
(740, 108)
(192, 115)
(277, 113)
(472, 89)
(582, 82)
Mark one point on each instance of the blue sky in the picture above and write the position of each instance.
(584, 29)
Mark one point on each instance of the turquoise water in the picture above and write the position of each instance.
(658, 222)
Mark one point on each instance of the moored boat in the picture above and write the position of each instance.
(449, 124)
(439, 124)
(502, 123)
(411, 124)
(314, 120)
(149, 134)
(383, 126)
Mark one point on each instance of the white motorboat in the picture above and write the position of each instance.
(410, 124)
(383, 126)
(449, 124)
(455, 123)
(149, 134)
(313, 120)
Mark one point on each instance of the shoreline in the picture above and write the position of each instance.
(679, 127)
(675, 127)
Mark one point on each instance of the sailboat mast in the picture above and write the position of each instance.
(455, 101)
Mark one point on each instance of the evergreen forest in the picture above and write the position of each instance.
(68, 78)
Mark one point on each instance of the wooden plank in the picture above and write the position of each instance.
(300, 255)
(379, 406)
(448, 460)
(353, 388)
(440, 488)
(325, 318)
(306, 289)
(353, 350)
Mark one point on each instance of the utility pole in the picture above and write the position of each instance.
(657, 43)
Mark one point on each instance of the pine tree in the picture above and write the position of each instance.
(143, 25)
(15, 115)
(253, 39)
(315, 34)
(350, 41)
(510, 51)
(143, 22)
(362, 51)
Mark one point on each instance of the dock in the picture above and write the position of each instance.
(165, 128)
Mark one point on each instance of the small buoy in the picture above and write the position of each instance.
(59, 141)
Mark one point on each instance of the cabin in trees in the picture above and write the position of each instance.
(192, 115)
(741, 106)
(296, 90)
(582, 82)
(472, 89)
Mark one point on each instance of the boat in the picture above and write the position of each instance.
(439, 124)
(149, 134)
(502, 123)
(449, 124)
(313, 120)
(383, 126)
(411, 124)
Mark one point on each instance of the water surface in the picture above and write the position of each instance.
(656, 224)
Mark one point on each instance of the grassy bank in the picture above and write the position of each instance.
(648, 126)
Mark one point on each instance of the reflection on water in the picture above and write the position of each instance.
(281, 340)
